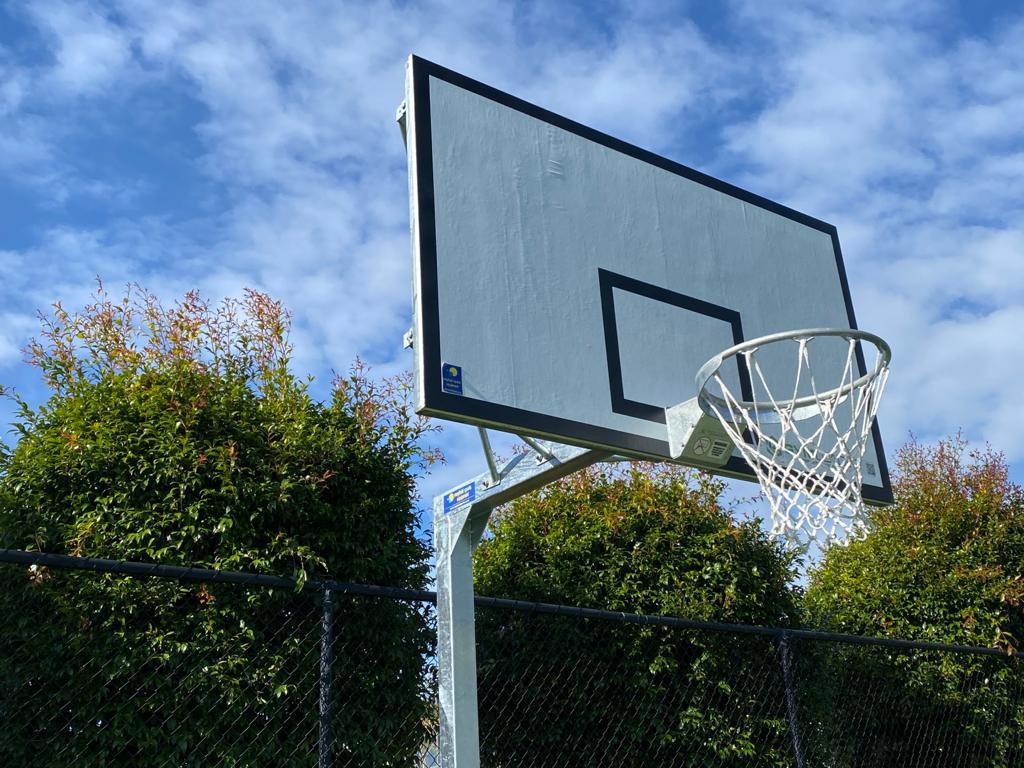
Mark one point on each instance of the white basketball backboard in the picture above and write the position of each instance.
(569, 285)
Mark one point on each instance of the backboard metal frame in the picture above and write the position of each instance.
(433, 400)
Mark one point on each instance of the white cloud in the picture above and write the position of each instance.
(90, 52)
(961, 373)
(643, 88)
(87, 69)
(846, 118)
(14, 330)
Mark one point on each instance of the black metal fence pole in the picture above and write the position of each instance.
(787, 679)
(326, 637)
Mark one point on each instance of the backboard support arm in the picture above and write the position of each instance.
(492, 464)
(460, 517)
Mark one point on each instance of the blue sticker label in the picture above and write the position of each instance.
(451, 379)
(461, 495)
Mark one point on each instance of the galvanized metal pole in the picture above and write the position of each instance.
(326, 699)
(459, 735)
(460, 516)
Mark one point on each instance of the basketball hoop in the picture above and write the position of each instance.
(806, 444)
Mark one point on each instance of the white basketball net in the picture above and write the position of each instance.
(807, 450)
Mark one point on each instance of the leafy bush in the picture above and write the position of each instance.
(179, 435)
(945, 564)
(645, 540)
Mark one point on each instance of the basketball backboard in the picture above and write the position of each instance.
(569, 285)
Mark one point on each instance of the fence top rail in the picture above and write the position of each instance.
(747, 629)
(210, 575)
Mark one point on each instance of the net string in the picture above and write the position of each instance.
(811, 472)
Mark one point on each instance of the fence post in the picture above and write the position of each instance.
(787, 679)
(326, 637)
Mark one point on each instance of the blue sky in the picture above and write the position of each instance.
(224, 145)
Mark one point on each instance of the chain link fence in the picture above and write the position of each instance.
(568, 688)
(122, 664)
(128, 664)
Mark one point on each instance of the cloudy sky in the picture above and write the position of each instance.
(224, 145)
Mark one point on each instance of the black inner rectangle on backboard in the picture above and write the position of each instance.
(638, 401)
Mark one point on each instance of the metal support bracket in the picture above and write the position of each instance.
(460, 517)
(492, 464)
(400, 119)
(697, 437)
(543, 454)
